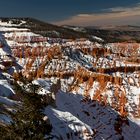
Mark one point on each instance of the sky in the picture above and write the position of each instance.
(75, 12)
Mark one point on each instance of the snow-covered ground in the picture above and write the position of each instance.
(94, 86)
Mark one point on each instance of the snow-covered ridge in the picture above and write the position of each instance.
(93, 85)
(11, 24)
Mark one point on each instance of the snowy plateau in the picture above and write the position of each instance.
(92, 88)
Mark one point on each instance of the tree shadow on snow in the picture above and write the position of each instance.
(105, 122)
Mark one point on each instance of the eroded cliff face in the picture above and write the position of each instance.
(93, 89)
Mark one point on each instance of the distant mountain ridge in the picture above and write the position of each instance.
(44, 28)
(114, 27)
(125, 33)
(78, 88)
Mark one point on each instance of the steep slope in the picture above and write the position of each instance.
(8, 66)
(43, 28)
(93, 89)
(103, 121)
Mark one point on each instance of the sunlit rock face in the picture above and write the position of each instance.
(93, 88)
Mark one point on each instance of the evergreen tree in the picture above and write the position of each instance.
(28, 123)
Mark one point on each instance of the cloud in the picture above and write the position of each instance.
(111, 16)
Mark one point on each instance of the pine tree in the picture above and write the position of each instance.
(28, 123)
